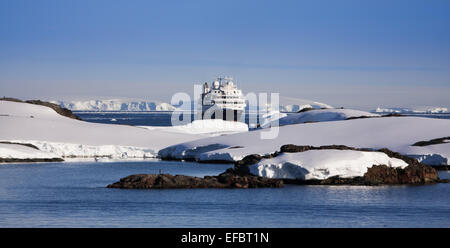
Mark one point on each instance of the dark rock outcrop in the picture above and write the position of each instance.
(167, 181)
(393, 115)
(29, 160)
(22, 144)
(62, 111)
(381, 175)
(290, 148)
(432, 142)
(412, 174)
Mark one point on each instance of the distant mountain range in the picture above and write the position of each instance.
(115, 105)
(286, 105)
(290, 105)
(425, 110)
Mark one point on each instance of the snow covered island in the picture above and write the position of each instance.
(57, 136)
(421, 138)
(29, 131)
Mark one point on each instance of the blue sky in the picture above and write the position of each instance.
(360, 54)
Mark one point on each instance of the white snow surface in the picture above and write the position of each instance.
(320, 115)
(394, 133)
(321, 164)
(62, 136)
(23, 152)
(211, 127)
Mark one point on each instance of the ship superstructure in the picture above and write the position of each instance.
(223, 100)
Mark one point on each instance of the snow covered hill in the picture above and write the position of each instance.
(115, 105)
(320, 115)
(65, 137)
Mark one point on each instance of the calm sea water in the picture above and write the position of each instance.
(74, 195)
(163, 118)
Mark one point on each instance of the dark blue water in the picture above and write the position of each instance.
(163, 118)
(128, 118)
(74, 195)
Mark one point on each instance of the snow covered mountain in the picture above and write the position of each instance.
(424, 110)
(116, 105)
(287, 104)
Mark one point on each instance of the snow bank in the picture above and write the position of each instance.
(321, 164)
(80, 150)
(204, 128)
(15, 151)
(394, 133)
(43, 127)
(321, 115)
(214, 127)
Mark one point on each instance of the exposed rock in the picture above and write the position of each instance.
(381, 175)
(62, 111)
(290, 148)
(412, 174)
(336, 180)
(166, 181)
(361, 117)
(393, 115)
(432, 142)
(23, 144)
(29, 160)
(249, 160)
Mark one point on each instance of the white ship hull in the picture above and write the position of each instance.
(226, 114)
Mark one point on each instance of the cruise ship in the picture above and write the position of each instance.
(223, 100)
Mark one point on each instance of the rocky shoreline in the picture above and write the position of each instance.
(167, 181)
(30, 160)
(239, 176)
